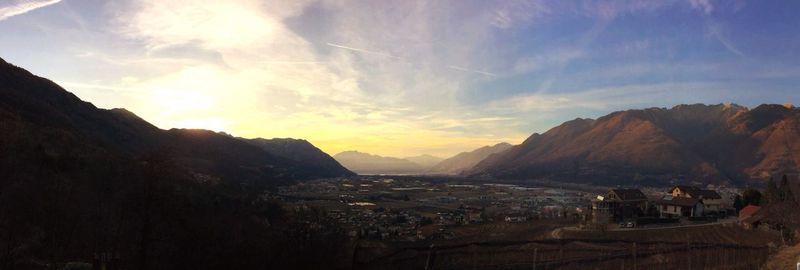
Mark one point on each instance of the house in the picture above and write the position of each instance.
(473, 214)
(712, 201)
(748, 217)
(516, 218)
(670, 206)
(619, 204)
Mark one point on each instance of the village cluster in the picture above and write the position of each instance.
(385, 208)
(681, 201)
(411, 209)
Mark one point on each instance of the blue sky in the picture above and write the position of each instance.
(404, 78)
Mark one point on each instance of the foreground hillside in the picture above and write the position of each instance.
(80, 184)
(704, 143)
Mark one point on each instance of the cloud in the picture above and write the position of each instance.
(67, 84)
(473, 71)
(357, 86)
(20, 7)
(373, 76)
(511, 13)
(608, 98)
(703, 5)
(557, 57)
(716, 31)
(362, 50)
(210, 24)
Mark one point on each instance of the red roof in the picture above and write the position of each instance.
(748, 211)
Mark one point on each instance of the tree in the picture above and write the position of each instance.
(785, 191)
(771, 194)
(751, 196)
(738, 203)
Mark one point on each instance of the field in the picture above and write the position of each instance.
(706, 247)
(711, 234)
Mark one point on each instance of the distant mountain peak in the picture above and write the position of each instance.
(425, 160)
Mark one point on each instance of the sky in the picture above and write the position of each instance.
(403, 78)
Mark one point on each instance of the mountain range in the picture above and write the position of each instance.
(40, 117)
(77, 181)
(426, 161)
(724, 143)
(466, 160)
(364, 163)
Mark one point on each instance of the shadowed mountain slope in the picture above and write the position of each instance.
(301, 151)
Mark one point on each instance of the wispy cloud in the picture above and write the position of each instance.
(471, 70)
(361, 50)
(716, 31)
(68, 85)
(453, 74)
(20, 7)
(703, 5)
(608, 98)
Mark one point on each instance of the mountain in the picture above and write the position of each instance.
(466, 160)
(51, 117)
(426, 161)
(77, 181)
(364, 163)
(722, 143)
(301, 151)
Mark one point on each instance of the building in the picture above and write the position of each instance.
(670, 206)
(516, 218)
(748, 217)
(619, 204)
(712, 201)
(473, 214)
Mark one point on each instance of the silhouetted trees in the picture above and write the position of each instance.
(771, 191)
(751, 197)
(781, 208)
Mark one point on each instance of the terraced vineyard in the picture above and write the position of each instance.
(716, 234)
(707, 247)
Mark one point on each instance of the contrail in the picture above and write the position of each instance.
(22, 7)
(473, 71)
(361, 50)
